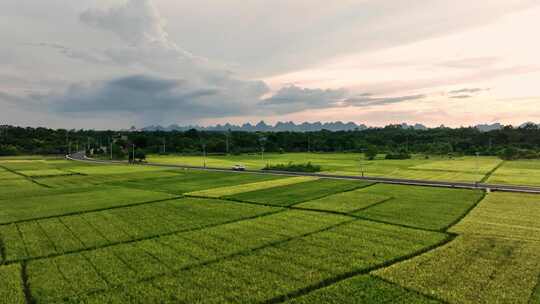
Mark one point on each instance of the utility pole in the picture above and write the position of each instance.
(204, 154)
(362, 165)
(111, 143)
(163, 145)
(133, 159)
(308, 143)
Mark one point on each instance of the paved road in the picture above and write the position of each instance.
(487, 187)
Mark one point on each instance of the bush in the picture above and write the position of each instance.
(307, 167)
(8, 150)
(512, 153)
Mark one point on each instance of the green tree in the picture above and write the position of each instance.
(371, 152)
(509, 153)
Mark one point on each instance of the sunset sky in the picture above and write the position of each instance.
(116, 63)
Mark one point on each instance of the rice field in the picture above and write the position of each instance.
(496, 251)
(517, 172)
(464, 169)
(86, 233)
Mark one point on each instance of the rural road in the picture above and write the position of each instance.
(80, 156)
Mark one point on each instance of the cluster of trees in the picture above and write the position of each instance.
(511, 153)
(395, 140)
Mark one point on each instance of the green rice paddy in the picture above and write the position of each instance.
(464, 169)
(74, 232)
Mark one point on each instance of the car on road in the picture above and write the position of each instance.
(239, 168)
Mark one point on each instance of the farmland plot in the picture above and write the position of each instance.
(121, 234)
(497, 254)
(504, 215)
(465, 169)
(114, 169)
(198, 181)
(232, 190)
(517, 172)
(346, 202)
(59, 235)
(495, 271)
(24, 164)
(299, 192)
(266, 272)
(163, 255)
(15, 187)
(422, 207)
(11, 287)
(363, 289)
(80, 181)
(6, 175)
(470, 164)
(26, 208)
(45, 172)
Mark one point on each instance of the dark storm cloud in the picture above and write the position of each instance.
(144, 95)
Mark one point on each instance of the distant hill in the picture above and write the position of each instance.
(306, 127)
(529, 123)
(489, 127)
(278, 127)
(498, 126)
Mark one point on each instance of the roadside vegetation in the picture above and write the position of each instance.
(292, 167)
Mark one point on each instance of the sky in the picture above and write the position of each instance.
(116, 63)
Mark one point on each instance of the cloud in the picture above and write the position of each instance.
(463, 96)
(293, 99)
(368, 100)
(88, 56)
(137, 21)
(153, 98)
(302, 35)
(466, 93)
(159, 80)
(468, 90)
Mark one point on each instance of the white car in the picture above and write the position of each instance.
(238, 168)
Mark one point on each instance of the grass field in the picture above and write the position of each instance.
(84, 233)
(467, 169)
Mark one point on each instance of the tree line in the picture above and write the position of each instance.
(508, 142)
